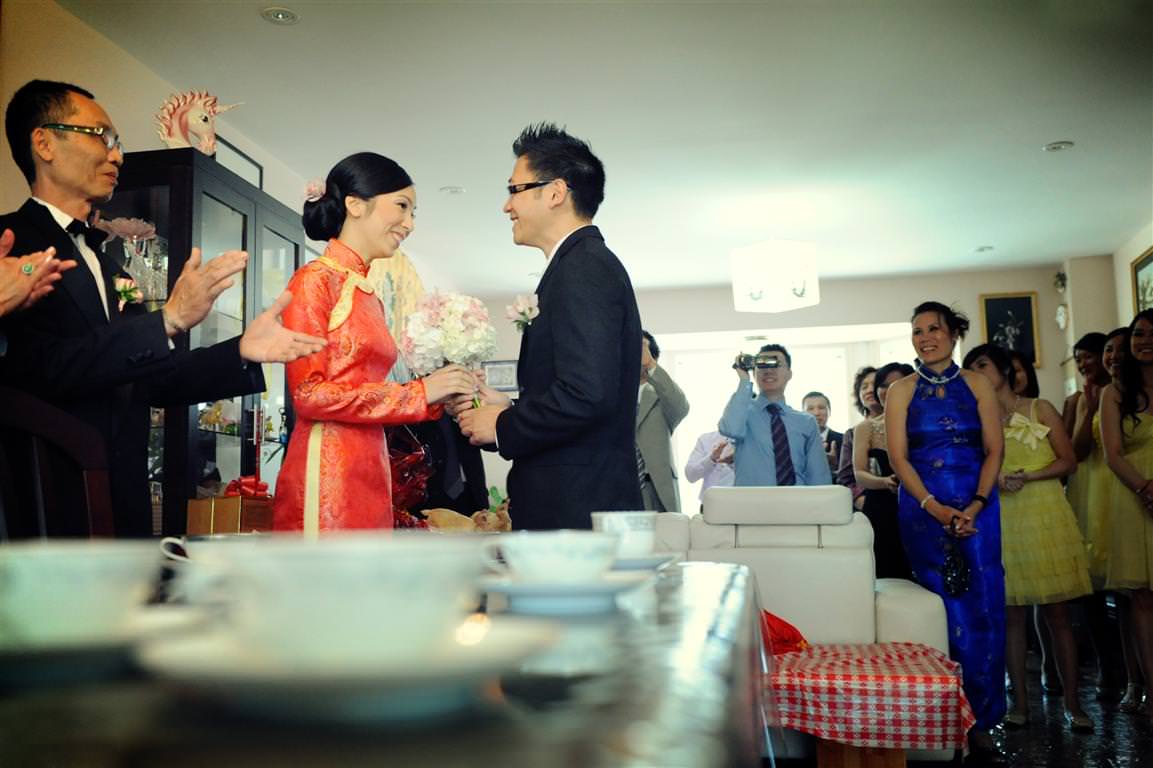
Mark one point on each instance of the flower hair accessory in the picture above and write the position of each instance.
(314, 191)
(127, 291)
(523, 311)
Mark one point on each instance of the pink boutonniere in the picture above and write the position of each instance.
(128, 292)
(523, 311)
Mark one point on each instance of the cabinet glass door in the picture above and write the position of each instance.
(143, 254)
(279, 257)
(217, 439)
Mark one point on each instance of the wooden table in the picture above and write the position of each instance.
(682, 687)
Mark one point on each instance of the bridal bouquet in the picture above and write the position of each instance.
(447, 328)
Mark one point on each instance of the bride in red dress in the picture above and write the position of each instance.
(336, 471)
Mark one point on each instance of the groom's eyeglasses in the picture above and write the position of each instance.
(516, 188)
(111, 140)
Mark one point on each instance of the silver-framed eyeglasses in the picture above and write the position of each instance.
(517, 188)
(111, 140)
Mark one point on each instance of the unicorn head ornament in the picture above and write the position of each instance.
(189, 120)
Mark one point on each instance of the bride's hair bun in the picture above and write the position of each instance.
(364, 175)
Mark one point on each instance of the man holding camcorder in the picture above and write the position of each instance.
(775, 444)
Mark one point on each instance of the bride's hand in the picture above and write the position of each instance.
(450, 380)
(486, 394)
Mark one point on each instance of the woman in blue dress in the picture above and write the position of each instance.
(946, 444)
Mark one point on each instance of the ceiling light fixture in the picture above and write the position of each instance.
(453, 190)
(1058, 146)
(775, 276)
(278, 14)
(982, 249)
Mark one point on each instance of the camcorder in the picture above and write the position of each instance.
(762, 360)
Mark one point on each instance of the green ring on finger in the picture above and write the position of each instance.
(27, 269)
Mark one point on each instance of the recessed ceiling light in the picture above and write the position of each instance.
(1057, 146)
(453, 190)
(982, 249)
(278, 14)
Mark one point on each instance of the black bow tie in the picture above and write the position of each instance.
(92, 236)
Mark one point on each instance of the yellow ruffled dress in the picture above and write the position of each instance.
(1097, 510)
(1130, 564)
(1041, 546)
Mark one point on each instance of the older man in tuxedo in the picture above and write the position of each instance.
(570, 435)
(79, 348)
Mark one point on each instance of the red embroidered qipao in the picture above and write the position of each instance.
(336, 470)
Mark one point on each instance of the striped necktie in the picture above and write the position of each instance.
(786, 474)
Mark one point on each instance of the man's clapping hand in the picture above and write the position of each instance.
(266, 340)
(198, 286)
(27, 279)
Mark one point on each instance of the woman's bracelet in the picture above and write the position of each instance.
(925, 501)
(984, 501)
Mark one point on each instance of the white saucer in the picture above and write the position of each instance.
(559, 599)
(644, 562)
(144, 623)
(426, 681)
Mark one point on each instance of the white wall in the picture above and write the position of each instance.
(40, 40)
(846, 302)
(1122, 260)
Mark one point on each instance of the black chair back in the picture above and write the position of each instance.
(53, 472)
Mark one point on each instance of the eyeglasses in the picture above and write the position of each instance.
(515, 188)
(111, 140)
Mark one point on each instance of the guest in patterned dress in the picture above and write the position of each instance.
(1127, 437)
(866, 402)
(1041, 547)
(945, 444)
(1101, 486)
(336, 470)
(874, 473)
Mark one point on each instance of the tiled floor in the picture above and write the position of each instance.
(1120, 741)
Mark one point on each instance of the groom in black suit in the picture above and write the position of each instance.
(80, 348)
(571, 435)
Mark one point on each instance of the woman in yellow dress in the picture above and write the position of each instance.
(1100, 487)
(1041, 548)
(1127, 437)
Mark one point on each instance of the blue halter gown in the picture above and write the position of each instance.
(946, 449)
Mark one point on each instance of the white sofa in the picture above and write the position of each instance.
(813, 561)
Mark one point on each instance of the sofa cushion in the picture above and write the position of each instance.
(907, 612)
(857, 533)
(826, 593)
(671, 533)
(794, 505)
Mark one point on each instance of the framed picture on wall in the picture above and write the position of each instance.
(1142, 277)
(501, 375)
(1010, 321)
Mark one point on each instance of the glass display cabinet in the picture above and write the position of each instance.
(195, 202)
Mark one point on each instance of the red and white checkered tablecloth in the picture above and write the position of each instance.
(891, 695)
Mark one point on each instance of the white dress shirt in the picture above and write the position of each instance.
(701, 465)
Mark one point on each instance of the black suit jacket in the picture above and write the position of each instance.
(446, 445)
(571, 436)
(834, 440)
(107, 371)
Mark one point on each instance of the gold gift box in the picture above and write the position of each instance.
(229, 514)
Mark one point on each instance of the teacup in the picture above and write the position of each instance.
(72, 592)
(637, 530)
(560, 557)
(349, 600)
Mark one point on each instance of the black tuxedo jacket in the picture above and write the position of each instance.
(571, 436)
(107, 371)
